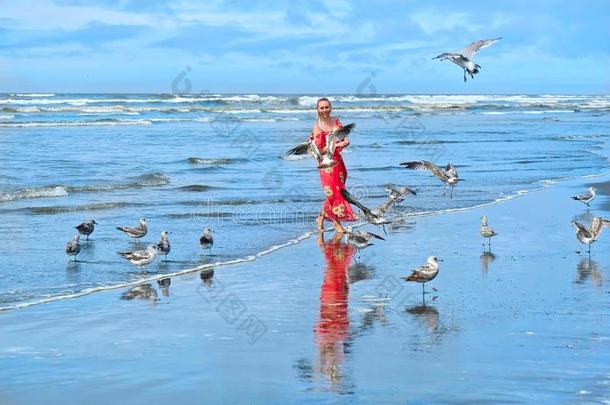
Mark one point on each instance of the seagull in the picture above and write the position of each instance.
(398, 194)
(587, 197)
(359, 239)
(374, 216)
(448, 175)
(464, 57)
(324, 160)
(141, 258)
(337, 135)
(307, 147)
(486, 231)
(86, 228)
(206, 240)
(138, 232)
(586, 235)
(425, 273)
(163, 245)
(73, 246)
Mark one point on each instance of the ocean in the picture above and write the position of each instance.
(192, 161)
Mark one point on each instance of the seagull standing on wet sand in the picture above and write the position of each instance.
(448, 175)
(163, 245)
(486, 231)
(86, 228)
(587, 236)
(464, 57)
(137, 232)
(425, 273)
(141, 258)
(73, 246)
(206, 240)
(587, 197)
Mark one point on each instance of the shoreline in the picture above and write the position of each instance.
(251, 258)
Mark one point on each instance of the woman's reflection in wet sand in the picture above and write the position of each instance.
(332, 329)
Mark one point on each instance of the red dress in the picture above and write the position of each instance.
(333, 181)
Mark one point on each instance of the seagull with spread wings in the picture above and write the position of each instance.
(464, 57)
(448, 175)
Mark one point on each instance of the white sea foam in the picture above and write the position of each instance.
(37, 192)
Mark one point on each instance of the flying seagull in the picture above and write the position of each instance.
(464, 57)
(587, 197)
(324, 160)
(448, 175)
(359, 239)
(399, 193)
(86, 228)
(137, 232)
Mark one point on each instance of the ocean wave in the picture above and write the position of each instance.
(32, 95)
(51, 210)
(36, 192)
(155, 179)
(100, 122)
(214, 162)
(195, 188)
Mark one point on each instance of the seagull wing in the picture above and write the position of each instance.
(352, 200)
(596, 225)
(374, 235)
(386, 206)
(425, 165)
(447, 55)
(606, 222)
(341, 133)
(581, 228)
(300, 149)
(451, 170)
(473, 48)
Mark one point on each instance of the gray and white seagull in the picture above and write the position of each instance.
(587, 197)
(448, 175)
(464, 57)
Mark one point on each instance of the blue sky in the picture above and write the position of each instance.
(341, 46)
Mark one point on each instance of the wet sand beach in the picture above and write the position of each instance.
(320, 323)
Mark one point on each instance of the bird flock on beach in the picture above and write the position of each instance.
(139, 258)
(358, 239)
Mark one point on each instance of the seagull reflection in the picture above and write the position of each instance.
(207, 277)
(588, 268)
(358, 272)
(332, 329)
(486, 258)
(429, 320)
(141, 292)
(164, 284)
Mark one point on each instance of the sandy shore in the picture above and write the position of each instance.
(527, 323)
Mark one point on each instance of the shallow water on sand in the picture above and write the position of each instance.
(190, 162)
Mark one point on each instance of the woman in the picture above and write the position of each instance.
(335, 207)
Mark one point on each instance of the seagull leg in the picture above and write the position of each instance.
(464, 75)
(451, 193)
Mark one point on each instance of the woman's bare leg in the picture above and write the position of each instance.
(320, 222)
(338, 227)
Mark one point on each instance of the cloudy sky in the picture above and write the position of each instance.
(333, 46)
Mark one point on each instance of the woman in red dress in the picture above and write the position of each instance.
(335, 207)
